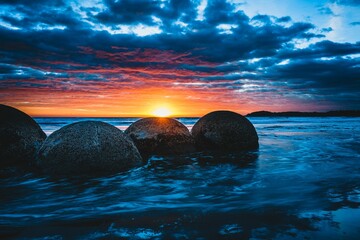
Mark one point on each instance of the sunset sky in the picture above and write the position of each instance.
(129, 58)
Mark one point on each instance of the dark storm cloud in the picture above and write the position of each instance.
(323, 79)
(328, 29)
(202, 39)
(326, 11)
(144, 11)
(222, 47)
(8, 71)
(218, 12)
(42, 19)
(347, 2)
(322, 49)
(32, 3)
(321, 73)
(284, 19)
(128, 11)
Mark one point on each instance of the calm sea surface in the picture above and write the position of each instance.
(302, 183)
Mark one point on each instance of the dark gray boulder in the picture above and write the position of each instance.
(160, 136)
(225, 131)
(20, 136)
(88, 147)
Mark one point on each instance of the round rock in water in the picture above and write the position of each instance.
(89, 147)
(225, 131)
(20, 136)
(160, 136)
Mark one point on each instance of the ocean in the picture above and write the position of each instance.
(302, 183)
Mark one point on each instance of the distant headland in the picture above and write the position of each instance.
(341, 113)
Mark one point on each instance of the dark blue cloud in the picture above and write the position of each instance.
(326, 11)
(347, 2)
(321, 49)
(32, 3)
(143, 11)
(128, 11)
(284, 19)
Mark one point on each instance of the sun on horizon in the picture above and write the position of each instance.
(161, 112)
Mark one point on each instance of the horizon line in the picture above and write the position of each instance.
(182, 116)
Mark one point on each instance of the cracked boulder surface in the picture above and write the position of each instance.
(20, 137)
(88, 147)
(225, 131)
(160, 136)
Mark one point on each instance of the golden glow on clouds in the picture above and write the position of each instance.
(136, 102)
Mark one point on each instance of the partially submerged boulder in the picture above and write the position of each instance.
(88, 147)
(225, 131)
(160, 136)
(20, 136)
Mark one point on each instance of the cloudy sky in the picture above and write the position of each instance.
(127, 58)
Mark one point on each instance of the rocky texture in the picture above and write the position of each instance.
(89, 147)
(225, 131)
(160, 136)
(20, 136)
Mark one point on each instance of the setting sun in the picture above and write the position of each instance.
(161, 112)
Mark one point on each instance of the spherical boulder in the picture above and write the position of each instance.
(88, 147)
(225, 131)
(160, 136)
(20, 136)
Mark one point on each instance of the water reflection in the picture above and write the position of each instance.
(302, 183)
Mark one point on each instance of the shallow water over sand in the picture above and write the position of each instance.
(303, 182)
